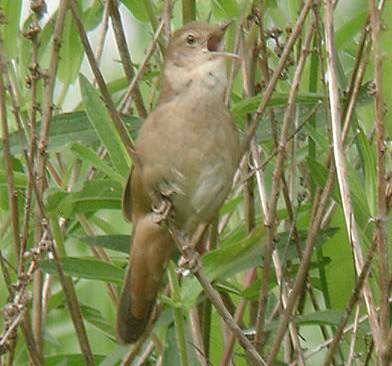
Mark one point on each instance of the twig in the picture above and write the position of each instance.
(341, 169)
(349, 328)
(67, 285)
(277, 175)
(125, 56)
(189, 254)
(119, 125)
(275, 76)
(353, 338)
(143, 359)
(350, 306)
(233, 63)
(380, 220)
(263, 164)
(47, 109)
(319, 204)
(12, 194)
(178, 316)
(47, 105)
(131, 89)
(103, 32)
(167, 14)
(15, 311)
(197, 337)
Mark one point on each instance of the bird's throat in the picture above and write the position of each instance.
(206, 79)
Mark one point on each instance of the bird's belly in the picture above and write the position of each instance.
(200, 195)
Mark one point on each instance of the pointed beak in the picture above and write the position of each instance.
(225, 25)
(215, 40)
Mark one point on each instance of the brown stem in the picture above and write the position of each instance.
(275, 76)
(350, 306)
(380, 220)
(12, 194)
(133, 84)
(118, 123)
(277, 175)
(319, 204)
(125, 56)
(341, 168)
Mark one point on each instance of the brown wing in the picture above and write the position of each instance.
(126, 198)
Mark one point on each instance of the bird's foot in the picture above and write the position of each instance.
(192, 263)
(161, 212)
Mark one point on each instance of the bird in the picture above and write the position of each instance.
(188, 152)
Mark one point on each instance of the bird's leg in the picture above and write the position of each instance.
(190, 260)
(162, 210)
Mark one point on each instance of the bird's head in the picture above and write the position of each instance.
(195, 52)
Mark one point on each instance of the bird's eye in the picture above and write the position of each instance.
(190, 39)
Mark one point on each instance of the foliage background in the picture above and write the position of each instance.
(84, 214)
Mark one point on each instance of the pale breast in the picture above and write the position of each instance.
(190, 154)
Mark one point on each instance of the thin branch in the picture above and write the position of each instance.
(380, 220)
(350, 306)
(125, 56)
(103, 32)
(167, 15)
(12, 194)
(319, 205)
(354, 336)
(133, 84)
(275, 76)
(189, 254)
(277, 175)
(118, 123)
(341, 168)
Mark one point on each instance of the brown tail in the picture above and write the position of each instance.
(150, 252)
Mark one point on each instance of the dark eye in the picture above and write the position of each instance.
(190, 39)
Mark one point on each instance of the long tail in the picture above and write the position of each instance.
(150, 252)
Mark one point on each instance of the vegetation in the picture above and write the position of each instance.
(300, 255)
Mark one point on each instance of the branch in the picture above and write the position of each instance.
(380, 220)
(118, 123)
(341, 168)
(125, 56)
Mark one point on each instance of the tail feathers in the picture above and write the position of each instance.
(150, 252)
(129, 327)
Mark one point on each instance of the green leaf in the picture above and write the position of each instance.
(318, 137)
(91, 156)
(137, 8)
(324, 317)
(250, 105)
(68, 128)
(71, 51)
(69, 359)
(99, 118)
(226, 261)
(93, 16)
(386, 47)
(368, 158)
(319, 175)
(226, 8)
(88, 268)
(94, 196)
(12, 10)
(94, 317)
(20, 179)
(120, 243)
(348, 31)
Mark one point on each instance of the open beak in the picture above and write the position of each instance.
(215, 42)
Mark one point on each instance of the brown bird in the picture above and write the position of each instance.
(188, 150)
